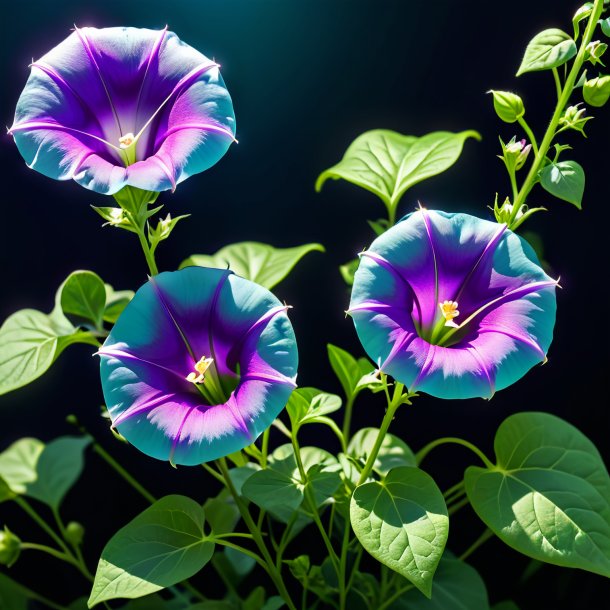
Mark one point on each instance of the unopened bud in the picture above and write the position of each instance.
(75, 533)
(10, 547)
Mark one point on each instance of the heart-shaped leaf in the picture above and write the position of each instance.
(548, 49)
(82, 297)
(456, 586)
(548, 497)
(565, 180)
(254, 261)
(393, 453)
(43, 472)
(402, 522)
(388, 163)
(162, 546)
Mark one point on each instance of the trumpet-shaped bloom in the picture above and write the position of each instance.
(123, 106)
(453, 305)
(199, 363)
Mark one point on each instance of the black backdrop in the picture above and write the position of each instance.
(306, 78)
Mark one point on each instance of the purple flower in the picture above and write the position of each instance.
(453, 305)
(123, 106)
(199, 363)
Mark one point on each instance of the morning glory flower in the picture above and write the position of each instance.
(452, 305)
(123, 106)
(199, 363)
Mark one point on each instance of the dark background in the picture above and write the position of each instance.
(307, 78)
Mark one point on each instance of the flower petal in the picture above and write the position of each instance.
(101, 84)
(506, 302)
(171, 323)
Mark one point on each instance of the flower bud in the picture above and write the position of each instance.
(508, 106)
(596, 91)
(573, 118)
(75, 533)
(10, 547)
(594, 51)
(515, 153)
(504, 212)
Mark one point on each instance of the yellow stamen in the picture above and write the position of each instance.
(127, 140)
(449, 309)
(201, 367)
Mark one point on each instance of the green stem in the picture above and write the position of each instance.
(120, 470)
(347, 418)
(422, 453)
(210, 470)
(393, 405)
(458, 487)
(310, 499)
(568, 88)
(77, 552)
(22, 502)
(396, 595)
(148, 253)
(43, 548)
(484, 537)
(391, 215)
(557, 83)
(243, 550)
(343, 589)
(265, 448)
(529, 133)
(455, 507)
(256, 534)
(513, 183)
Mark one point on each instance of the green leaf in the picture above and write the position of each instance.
(212, 605)
(12, 595)
(605, 25)
(18, 464)
(45, 473)
(6, 493)
(305, 405)
(456, 586)
(83, 297)
(254, 261)
(393, 453)
(274, 490)
(596, 91)
(255, 600)
(275, 602)
(279, 488)
(240, 475)
(30, 341)
(548, 497)
(354, 375)
(387, 163)
(402, 522)
(116, 301)
(348, 270)
(221, 513)
(565, 180)
(162, 546)
(548, 49)
(508, 106)
(582, 12)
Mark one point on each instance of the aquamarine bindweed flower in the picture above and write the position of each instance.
(199, 363)
(453, 305)
(123, 106)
